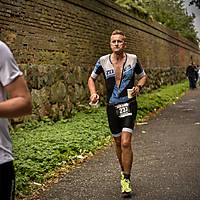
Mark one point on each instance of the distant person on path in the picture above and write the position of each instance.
(192, 75)
(12, 82)
(198, 71)
(119, 69)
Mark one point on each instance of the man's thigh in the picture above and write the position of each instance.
(7, 181)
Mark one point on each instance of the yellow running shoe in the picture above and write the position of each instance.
(122, 175)
(126, 186)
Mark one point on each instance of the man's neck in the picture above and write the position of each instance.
(118, 57)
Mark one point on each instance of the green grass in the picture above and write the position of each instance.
(41, 148)
(150, 102)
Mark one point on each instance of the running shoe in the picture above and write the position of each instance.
(122, 177)
(126, 186)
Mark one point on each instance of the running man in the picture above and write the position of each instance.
(119, 69)
(12, 82)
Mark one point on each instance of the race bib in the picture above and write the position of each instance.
(123, 110)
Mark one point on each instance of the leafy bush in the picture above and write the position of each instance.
(40, 148)
(171, 14)
(150, 102)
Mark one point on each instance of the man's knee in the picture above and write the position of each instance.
(126, 144)
(126, 140)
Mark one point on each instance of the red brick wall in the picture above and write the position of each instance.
(76, 32)
(58, 42)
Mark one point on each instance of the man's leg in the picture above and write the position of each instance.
(127, 159)
(124, 151)
(190, 82)
(193, 83)
(127, 154)
(118, 150)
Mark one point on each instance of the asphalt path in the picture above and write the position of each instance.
(166, 164)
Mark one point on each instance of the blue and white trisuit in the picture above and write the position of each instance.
(121, 113)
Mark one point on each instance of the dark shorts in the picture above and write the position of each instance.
(125, 124)
(7, 181)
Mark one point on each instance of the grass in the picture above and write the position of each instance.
(45, 149)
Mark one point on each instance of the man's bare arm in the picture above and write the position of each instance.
(20, 102)
(93, 94)
(141, 82)
(91, 85)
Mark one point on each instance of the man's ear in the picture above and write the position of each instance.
(125, 45)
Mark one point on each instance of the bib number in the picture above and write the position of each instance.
(123, 110)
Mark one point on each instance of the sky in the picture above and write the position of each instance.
(196, 11)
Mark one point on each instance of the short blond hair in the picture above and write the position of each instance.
(118, 32)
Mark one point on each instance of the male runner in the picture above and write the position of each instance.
(119, 69)
(11, 81)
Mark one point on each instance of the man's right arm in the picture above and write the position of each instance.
(93, 94)
(94, 97)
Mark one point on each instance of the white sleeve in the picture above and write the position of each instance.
(9, 69)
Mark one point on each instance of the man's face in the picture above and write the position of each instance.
(117, 43)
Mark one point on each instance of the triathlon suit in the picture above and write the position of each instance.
(121, 110)
(9, 71)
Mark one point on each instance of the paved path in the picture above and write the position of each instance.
(166, 163)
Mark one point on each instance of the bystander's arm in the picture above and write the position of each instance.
(20, 102)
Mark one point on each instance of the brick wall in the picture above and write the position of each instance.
(57, 43)
(77, 31)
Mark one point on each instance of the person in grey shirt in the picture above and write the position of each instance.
(11, 82)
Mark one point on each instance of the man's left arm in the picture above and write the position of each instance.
(20, 102)
(142, 81)
(139, 86)
(142, 78)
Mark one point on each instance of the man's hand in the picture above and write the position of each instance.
(135, 91)
(94, 98)
(139, 86)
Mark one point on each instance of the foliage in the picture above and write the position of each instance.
(170, 13)
(151, 102)
(134, 6)
(196, 3)
(41, 148)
